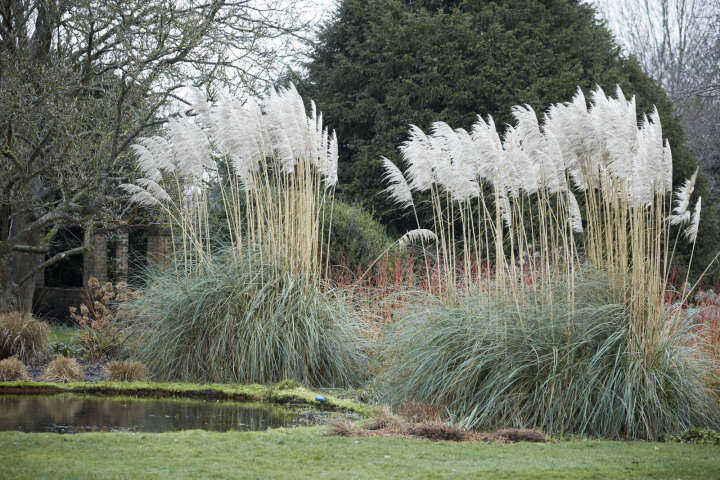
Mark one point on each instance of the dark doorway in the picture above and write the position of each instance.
(68, 272)
(137, 257)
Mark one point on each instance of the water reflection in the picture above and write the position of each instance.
(68, 413)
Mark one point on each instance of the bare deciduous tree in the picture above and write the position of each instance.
(678, 43)
(80, 80)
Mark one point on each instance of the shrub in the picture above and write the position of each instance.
(556, 366)
(102, 333)
(63, 369)
(242, 320)
(356, 239)
(126, 371)
(12, 369)
(24, 337)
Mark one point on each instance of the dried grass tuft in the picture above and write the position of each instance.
(12, 369)
(126, 371)
(63, 369)
(24, 337)
(438, 431)
(343, 428)
(383, 420)
(514, 435)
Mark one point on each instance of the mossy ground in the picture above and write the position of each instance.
(308, 453)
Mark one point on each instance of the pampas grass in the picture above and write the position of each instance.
(259, 311)
(251, 321)
(569, 368)
(276, 169)
(579, 187)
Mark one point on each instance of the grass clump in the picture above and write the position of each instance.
(126, 371)
(63, 369)
(23, 337)
(12, 369)
(244, 320)
(571, 366)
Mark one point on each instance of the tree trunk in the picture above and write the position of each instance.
(17, 267)
(8, 294)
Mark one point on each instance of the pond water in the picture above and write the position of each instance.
(67, 413)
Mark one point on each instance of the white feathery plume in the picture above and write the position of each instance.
(452, 167)
(239, 132)
(656, 152)
(316, 131)
(398, 188)
(415, 235)
(139, 195)
(330, 173)
(542, 149)
(199, 104)
(641, 184)
(574, 209)
(667, 166)
(515, 169)
(417, 153)
(489, 149)
(154, 189)
(282, 128)
(440, 141)
(191, 146)
(503, 207)
(161, 151)
(146, 161)
(614, 121)
(465, 163)
(682, 200)
(692, 229)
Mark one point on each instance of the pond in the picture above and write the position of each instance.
(68, 413)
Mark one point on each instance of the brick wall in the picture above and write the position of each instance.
(159, 246)
(95, 260)
(122, 255)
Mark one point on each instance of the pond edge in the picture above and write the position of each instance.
(241, 393)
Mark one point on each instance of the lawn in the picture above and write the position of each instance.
(308, 453)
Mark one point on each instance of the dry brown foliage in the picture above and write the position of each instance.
(126, 371)
(24, 337)
(386, 425)
(342, 427)
(420, 412)
(63, 369)
(514, 435)
(100, 317)
(12, 369)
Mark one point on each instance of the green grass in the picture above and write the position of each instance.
(231, 392)
(306, 453)
(63, 333)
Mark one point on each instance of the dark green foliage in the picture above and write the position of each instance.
(246, 321)
(356, 239)
(498, 363)
(383, 64)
